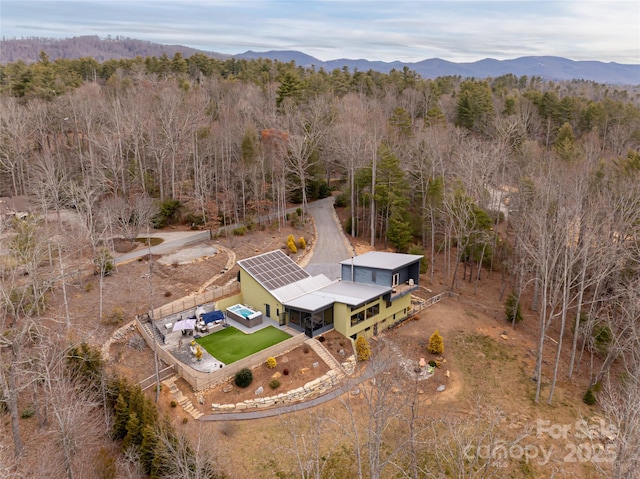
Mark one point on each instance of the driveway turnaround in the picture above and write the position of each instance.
(172, 241)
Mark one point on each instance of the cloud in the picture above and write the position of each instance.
(376, 30)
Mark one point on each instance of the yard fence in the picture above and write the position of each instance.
(162, 374)
(190, 302)
(201, 380)
(421, 304)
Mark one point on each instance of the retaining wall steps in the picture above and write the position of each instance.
(181, 399)
(326, 356)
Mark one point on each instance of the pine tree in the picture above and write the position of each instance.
(134, 433)
(148, 447)
(121, 418)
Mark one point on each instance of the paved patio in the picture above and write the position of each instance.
(179, 345)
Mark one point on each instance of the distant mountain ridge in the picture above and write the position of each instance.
(547, 67)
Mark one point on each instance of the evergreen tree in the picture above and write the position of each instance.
(399, 232)
(121, 416)
(436, 343)
(134, 432)
(475, 106)
(148, 447)
(290, 87)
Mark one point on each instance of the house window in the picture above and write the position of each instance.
(396, 279)
(357, 318)
(373, 311)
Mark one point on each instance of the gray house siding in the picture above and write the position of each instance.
(363, 275)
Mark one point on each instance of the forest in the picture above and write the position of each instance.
(422, 166)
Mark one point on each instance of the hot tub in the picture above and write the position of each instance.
(244, 315)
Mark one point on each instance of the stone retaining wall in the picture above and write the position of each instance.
(311, 389)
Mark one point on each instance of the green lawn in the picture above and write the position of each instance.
(231, 344)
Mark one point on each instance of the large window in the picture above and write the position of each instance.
(357, 318)
(373, 310)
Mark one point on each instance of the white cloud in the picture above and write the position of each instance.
(377, 30)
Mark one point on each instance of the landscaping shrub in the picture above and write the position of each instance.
(363, 349)
(432, 363)
(294, 219)
(512, 308)
(305, 349)
(274, 384)
(285, 372)
(167, 294)
(302, 242)
(322, 339)
(436, 343)
(271, 362)
(244, 378)
(239, 231)
(589, 398)
(291, 244)
(174, 404)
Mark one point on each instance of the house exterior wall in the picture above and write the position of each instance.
(223, 304)
(387, 316)
(257, 297)
(380, 277)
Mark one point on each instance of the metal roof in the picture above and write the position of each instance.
(346, 292)
(311, 302)
(302, 287)
(383, 260)
(273, 269)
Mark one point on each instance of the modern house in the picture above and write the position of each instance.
(373, 293)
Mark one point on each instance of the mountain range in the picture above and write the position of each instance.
(547, 67)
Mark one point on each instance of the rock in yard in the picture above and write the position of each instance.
(448, 373)
(441, 388)
(259, 391)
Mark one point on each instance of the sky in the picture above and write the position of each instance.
(386, 30)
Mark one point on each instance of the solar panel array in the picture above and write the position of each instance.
(274, 269)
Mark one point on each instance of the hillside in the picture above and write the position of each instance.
(28, 49)
(546, 67)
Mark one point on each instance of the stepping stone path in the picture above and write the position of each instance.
(181, 399)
